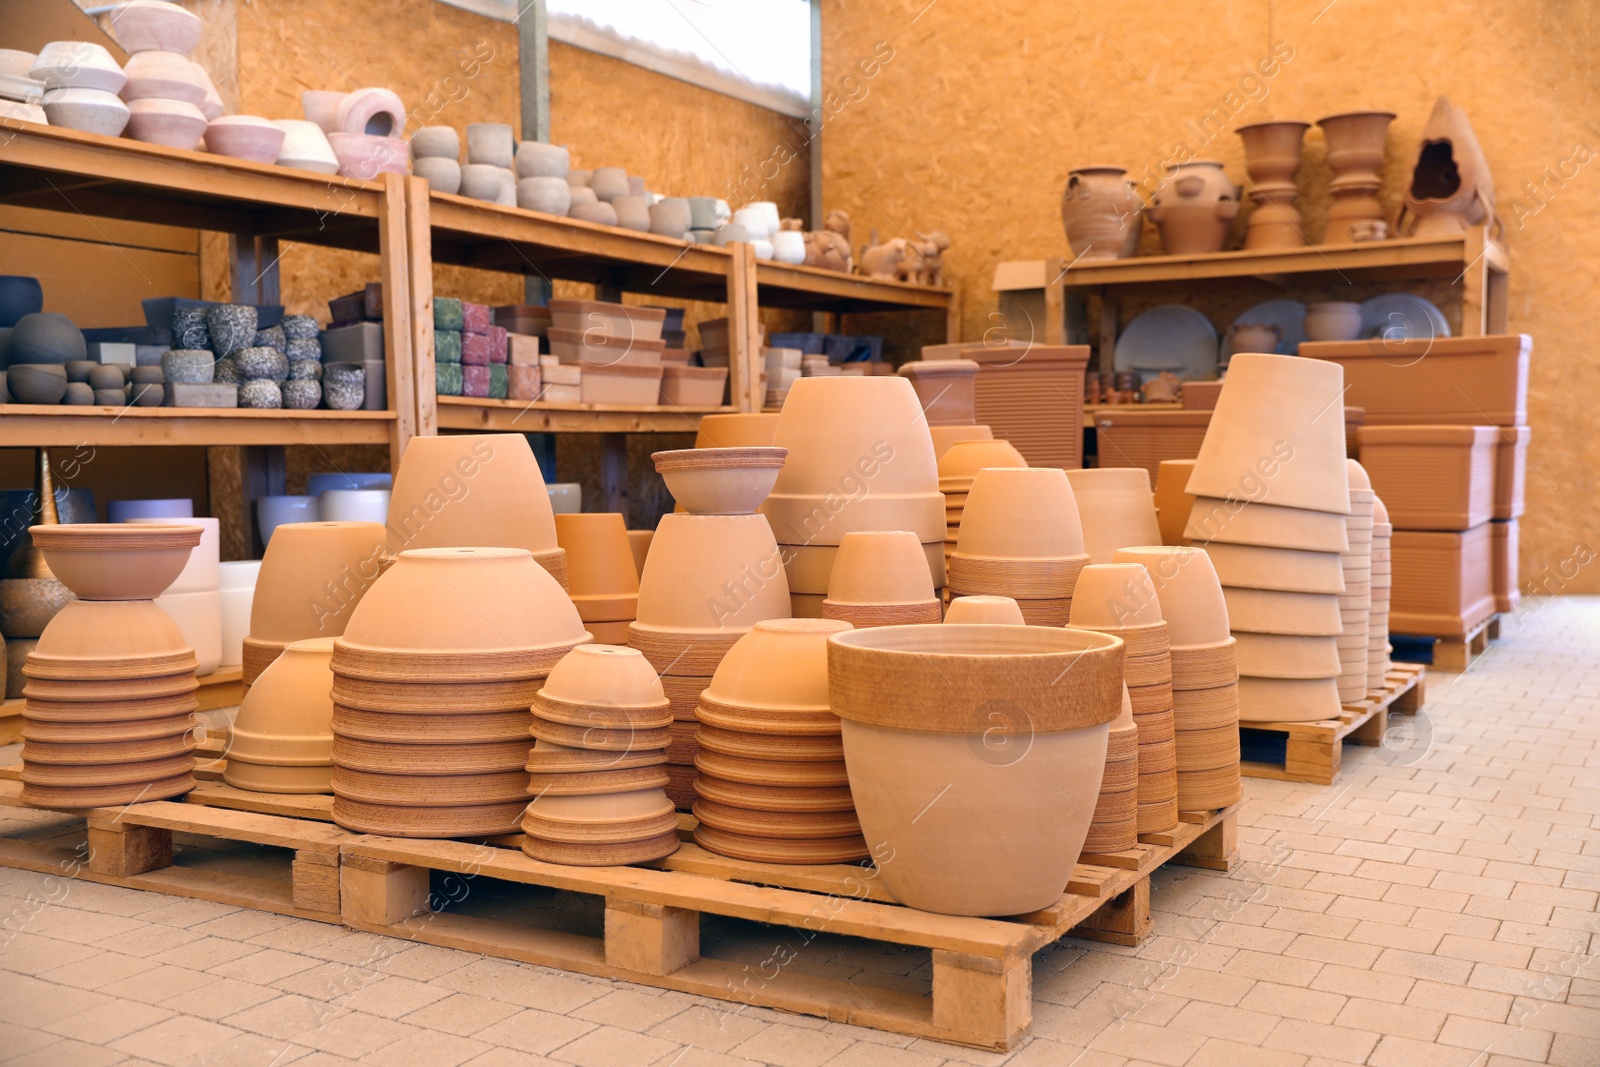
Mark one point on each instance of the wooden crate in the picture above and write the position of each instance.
(1314, 751)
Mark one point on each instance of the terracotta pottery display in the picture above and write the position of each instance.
(1114, 826)
(946, 436)
(1355, 155)
(601, 576)
(720, 481)
(880, 578)
(1272, 156)
(282, 739)
(984, 610)
(1285, 569)
(1193, 208)
(1102, 213)
(312, 576)
(1116, 509)
(749, 430)
(1172, 500)
(1017, 775)
(1451, 186)
(1263, 611)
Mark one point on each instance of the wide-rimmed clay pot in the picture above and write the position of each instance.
(1191, 598)
(1102, 213)
(602, 579)
(1288, 699)
(282, 740)
(881, 569)
(780, 665)
(1113, 596)
(1172, 500)
(1277, 436)
(1286, 569)
(1193, 208)
(946, 436)
(312, 576)
(1115, 508)
(1021, 513)
(962, 461)
(1287, 656)
(860, 458)
(604, 676)
(1263, 611)
(115, 561)
(747, 430)
(985, 611)
(720, 481)
(1236, 522)
(975, 716)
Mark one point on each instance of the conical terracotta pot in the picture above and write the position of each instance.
(312, 576)
(1191, 598)
(1026, 513)
(748, 430)
(1101, 212)
(601, 578)
(282, 740)
(711, 574)
(946, 436)
(1172, 500)
(1288, 700)
(115, 561)
(963, 460)
(1451, 185)
(1115, 508)
(1277, 435)
(809, 567)
(1238, 523)
(1115, 596)
(880, 568)
(781, 664)
(984, 610)
(1193, 208)
(1284, 569)
(720, 481)
(971, 715)
(1264, 612)
(606, 677)
(1287, 656)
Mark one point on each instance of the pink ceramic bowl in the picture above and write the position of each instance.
(245, 137)
(172, 123)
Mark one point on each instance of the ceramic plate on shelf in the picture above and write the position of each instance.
(1169, 338)
(1287, 315)
(1401, 315)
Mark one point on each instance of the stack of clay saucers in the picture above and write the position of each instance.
(1271, 498)
(1116, 509)
(1114, 826)
(881, 579)
(958, 465)
(432, 682)
(602, 578)
(1378, 632)
(598, 766)
(771, 777)
(984, 610)
(1119, 599)
(1355, 603)
(110, 686)
(1205, 673)
(1020, 538)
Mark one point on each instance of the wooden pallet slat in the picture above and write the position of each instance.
(1456, 654)
(1314, 751)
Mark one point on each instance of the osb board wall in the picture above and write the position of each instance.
(936, 140)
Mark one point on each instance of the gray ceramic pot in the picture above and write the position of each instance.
(552, 196)
(535, 159)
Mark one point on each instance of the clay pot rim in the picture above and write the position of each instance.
(114, 536)
(1356, 115)
(740, 458)
(1273, 122)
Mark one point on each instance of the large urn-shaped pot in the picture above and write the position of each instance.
(974, 770)
(1450, 183)
(1193, 208)
(1272, 156)
(1355, 155)
(1102, 213)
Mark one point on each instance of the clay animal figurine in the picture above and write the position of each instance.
(922, 263)
(1163, 388)
(883, 260)
(829, 247)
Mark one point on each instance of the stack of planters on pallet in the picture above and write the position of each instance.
(1021, 537)
(470, 351)
(617, 347)
(961, 463)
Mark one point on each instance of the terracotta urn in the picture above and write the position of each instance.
(1272, 156)
(115, 561)
(1193, 208)
(984, 610)
(946, 436)
(282, 739)
(973, 715)
(1172, 500)
(747, 430)
(1191, 598)
(601, 578)
(720, 481)
(1451, 186)
(1355, 155)
(1116, 509)
(881, 578)
(1102, 213)
(1333, 320)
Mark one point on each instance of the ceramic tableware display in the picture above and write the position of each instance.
(1172, 500)
(1102, 213)
(1355, 603)
(598, 765)
(1272, 156)
(975, 713)
(432, 681)
(958, 465)
(1193, 208)
(1285, 318)
(1119, 599)
(984, 610)
(107, 717)
(1355, 155)
(1116, 509)
(1378, 620)
(880, 578)
(602, 579)
(282, 739)
(770, 778)
(1172, 338)
(1451, 187)
(1020, 537)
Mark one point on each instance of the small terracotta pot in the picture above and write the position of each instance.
(961, 462)
(780, 664)
(1111, 597)
(115, 561)
(1191, 598)
(1172, 501)
(712, 573)
(984, 610)
(750, 430)
(1116, 509)
(93, 638)
(880, 567)
(282, 739)
(606, 677)
(1333, 320)
(1026, 513)
(476, 490)
(601, 577)
(292, 599)
(720, 481)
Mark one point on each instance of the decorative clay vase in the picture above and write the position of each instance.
(1102, 213)
(1355, 155)
(1193, 208)
(1272, 156)
(1451, 186)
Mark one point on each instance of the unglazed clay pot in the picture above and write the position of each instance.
(962, 461)
(781, 665)
(1287, 656)
(881, 569)
(1278, 430)
(750, 430)
(282, 740)
(946, 436)
(1102, 213)
(303, 562)
(164, 76)
(306, 147)
(115, 561)
(171, 123)
(1172, 500)
(1451, 186)
(984, 610)
(1191, 598)
(1333, 320)
(720, 481)
(1261, 611)
(604, 676)
(601, 576)
(1355, 155)
(1272, 156)
(1193, 208)
(1286, 569)
(1239, 523)
(1116, 509)
(91, 636)
(1288, 699)
(639, 541)
(244, 137)
(1112, 596)
(1021, 513)
(973, 715)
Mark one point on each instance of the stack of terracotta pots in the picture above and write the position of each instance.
(1020, 538)
(1272, 494)
(860, 458)
(282, 740)
(1116, 509)
(1173, 500)
(958, 465)
(974, 770)
(432, 681)
(109, 698)
(771, 778)
(598, 767)
(601, 576)
(1378, 624)
(1114, 826)
(1355, 603)
(1119, 599)
(1205, 673)
(474, 490)
(984, 610)
(881, 579)
(707, 580)
(312, 576)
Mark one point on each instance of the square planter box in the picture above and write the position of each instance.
(531, 319)
(1199, 396)
(1432, 477)
(1443, 583)
(622, 384)
(617, 320)
(693, 387)
(1503, 539)
(1448, 380)
(1511, 471)
(1030, 395)
(590, 347)
(1134, 438)
(946, 388)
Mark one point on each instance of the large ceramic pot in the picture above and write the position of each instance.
(1116, 509)
(1102, 213)
(1238, 523)
(282, 740)
(1193, 208)
(601, 575)
(115, 561)
(974, 719)
(1451, 186)
(312, 576)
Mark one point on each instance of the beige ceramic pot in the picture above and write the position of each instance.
(606, 677)
(639, 542)
(1102, 213)
(1355, 155)
(780, 665)
(478, 490)
(972, 715)
(1193, 208)
(962, 462)
(984, 610)
(1172, 500)
(115, 561)
(1237, 523)
(810, 567)
(282, 739)
(1285, 569)
(1114, 597)
(710, 574)
(749, 430)
(89, 638)
(881, 567)
(720, 481)
(1021, 513)
(1333, 320)
(1191, 598)
(946, 436)
(312, 576)
(1287, 656)
(601, 576)
(1116, 509)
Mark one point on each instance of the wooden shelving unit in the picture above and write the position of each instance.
(781, 285)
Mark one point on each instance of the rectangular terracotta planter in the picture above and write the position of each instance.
(621, 384)
(693, 387)
(1442, 582)
(1449, 380)
(1135, 438)
(1511, 471)
(1031, 396)
(1432, 477)
(1503, 538)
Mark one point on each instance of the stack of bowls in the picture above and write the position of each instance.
(1205, 673)
(860, 458)
(1119, 599)
(881, 579)
(236, 581)
(597, 768)
(110, 692)
(1378, 626)
(1116, 508)
(958, 465)
(602, 578)
(282, 740)
(1114, 826)
(166, 91)
(1172, 499)
(771, 778)
(311, 578)
(1020, 538)
(474, 490)
(81, 83)
(432, 681)
(984, 610)
(1355, 603)
(194, 599)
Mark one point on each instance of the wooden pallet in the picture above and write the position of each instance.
(1314, 751)
(1456, 654)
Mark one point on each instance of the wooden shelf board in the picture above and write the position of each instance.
(784, 285)
(472, 413)
(34, 425)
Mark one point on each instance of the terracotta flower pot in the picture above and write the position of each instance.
(202, 573)
(115, 561)
(962, 461)
(720, 481)
(946, 436)
(984, 610)
(1115, 508)
(1239, 523)
(639, 542)
(282, 740)
(1288, 700)
(1027, 513)
(94, 636)
(881, 568)
(1287, 656)
(1101, 212)
(1017, 776)
(1333, 320)
(601, 577)
(605, 677)
(1172, 500)
(809, 567)
(312, 576)
(781, 664)
(1266, 612)
(1114, 597)
(750, 430)
(1191, 598)
(1284, 569)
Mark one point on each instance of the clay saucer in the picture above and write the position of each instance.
(925, 613)
(97, 732)
(1267, 525)
(780, 748)
(1284, 656)
(434, 698)
(599, 739)
(777, 825)
(578, 832)
(589, 855)
(123, 773)
(1051, 613)
(683, 746)
(760, 772)
(434, 758)
(58, 798)
(720, 481)
(428, 790)
(1263, 612)
(789, 851)
(466, 820)
(80, 753)
(1288, 700)
(1157, 757)
(988, 610)
(621, 779)
(1209, 789)
(603, 715)
(147, 699)
(1147, 641)
(258, 656)
(810, 722)
(116, 561)
(771, 798)
(64, 669)
(461, 729)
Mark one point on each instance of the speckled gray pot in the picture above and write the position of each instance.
(305, 370)
(300, 327)
(436, 142)
(260, 393)
(271, 337)
(491, 143)
(553, 196)
(344, 386)
(305, 348)
(232, 327)
(262, 363)
(535, 159)
(189, 328)
(609, 183)
(190, 367)
(109, 376)
(227, 370)
(302, 395)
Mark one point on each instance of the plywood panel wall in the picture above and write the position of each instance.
(977, 113)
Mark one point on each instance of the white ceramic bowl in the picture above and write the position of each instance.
(245, 137)
(171, 123)
(89, 110)
(306, 147)
(355, 505)
(274, 511)
(77, 65)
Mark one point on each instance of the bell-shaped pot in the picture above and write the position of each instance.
(1021, 513)
(312, 576)
(604, 676)
(1191, 598)
(282, 740)
(1261, 611)
(985, 611)
(1116, 509)
(781, 665)
(710, 574)
(884, 570)
(1113, 596)
(94, 638)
